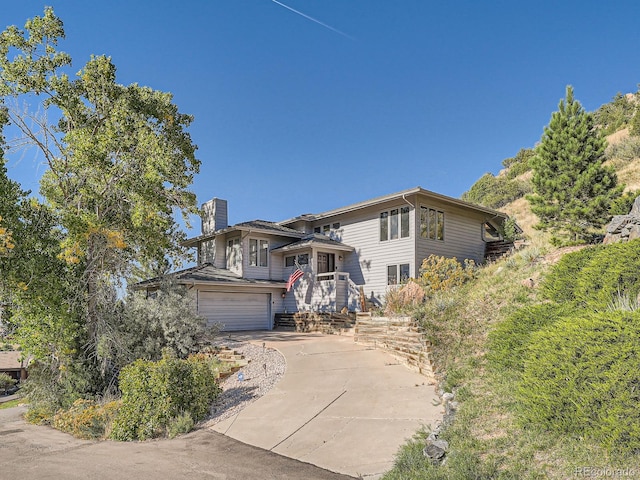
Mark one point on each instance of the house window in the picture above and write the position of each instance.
(317, 230)
(404, 222)
(394, 224)
(490, 233)
(398, 274)
(326, 262)
(290, 261)
(258, 252)
(326, 229)
(384, 226)
(233, 253)
(431, 223)
(404, 273)
(336, 226)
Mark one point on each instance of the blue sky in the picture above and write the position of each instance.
(292, 116)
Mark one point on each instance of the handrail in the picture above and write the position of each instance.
(343, 276)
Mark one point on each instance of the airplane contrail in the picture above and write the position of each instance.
(313, 19)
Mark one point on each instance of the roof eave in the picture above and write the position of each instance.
(399, 195)
(192, 242)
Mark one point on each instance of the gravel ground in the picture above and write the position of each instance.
(266, 367)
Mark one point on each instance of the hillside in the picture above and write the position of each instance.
(480, 335)
(548, 302)
(507, 190)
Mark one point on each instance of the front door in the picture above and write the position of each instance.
(326, 262)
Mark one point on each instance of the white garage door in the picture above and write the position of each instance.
(236, 311)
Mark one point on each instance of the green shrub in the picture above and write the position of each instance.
(148, 324)
(86, 419)
(441, 274)
(613, 269)
(519, 164)
(156, 393)
(6, 381)
(495, 192)
(40, 414)
(509, 341)
(559, 285)
(581, 377)
(622, 205)
(615, 115)
(179, 425)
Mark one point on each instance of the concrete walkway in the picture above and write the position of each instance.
(341, 406)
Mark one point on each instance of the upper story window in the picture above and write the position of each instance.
(258, 252)
(233, 253)
(394, 224)
(431, 223)
(326, 229)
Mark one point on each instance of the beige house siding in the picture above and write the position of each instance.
(462, 234)
(367, 265)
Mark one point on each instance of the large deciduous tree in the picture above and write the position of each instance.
(119, 158)
(572, 189)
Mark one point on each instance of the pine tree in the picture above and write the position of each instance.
(572, 188)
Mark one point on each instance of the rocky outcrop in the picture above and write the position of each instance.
(623, 228)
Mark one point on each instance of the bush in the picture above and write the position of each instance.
(398, 300)
(86, 419)
(623, 152)
(56, 383)
(616, 114)
(509, 341)
(560, 284)
(495, 192)
(155, 394)
(622, 205)
(520, 163)
(581, 377)
(180, 425)
(149, 324)
(6, 381)
(613, 269)
(442, 274)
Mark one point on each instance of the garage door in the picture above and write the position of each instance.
(236, 311)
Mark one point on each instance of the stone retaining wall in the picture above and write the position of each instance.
(400, 336)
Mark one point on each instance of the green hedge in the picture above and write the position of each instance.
(509, 341)
(155, 394)
(560, 284)
(582, 377)
(594, 276)
(613, 270)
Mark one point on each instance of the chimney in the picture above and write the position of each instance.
(214, 215)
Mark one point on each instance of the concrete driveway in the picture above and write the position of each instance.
(341, 406)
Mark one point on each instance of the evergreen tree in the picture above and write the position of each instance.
(572, 189)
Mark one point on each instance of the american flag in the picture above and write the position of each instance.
(293, 277)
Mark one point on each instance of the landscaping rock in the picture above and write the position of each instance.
(623, 228)
(451, 408)
(436, 450)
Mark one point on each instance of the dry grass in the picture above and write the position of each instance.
(486, 428)
(618, 136)
(629, 175)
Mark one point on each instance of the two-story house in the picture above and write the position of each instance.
(361, 250)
